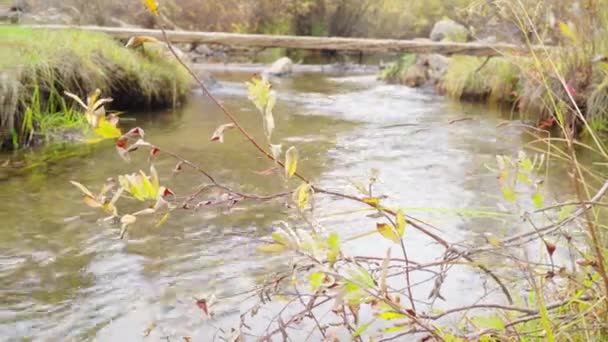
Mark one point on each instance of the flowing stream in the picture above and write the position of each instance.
(65, 276)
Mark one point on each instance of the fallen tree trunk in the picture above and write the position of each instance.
(309, 43)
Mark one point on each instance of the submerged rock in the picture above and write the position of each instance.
(449, 30)
(281, 67)
(424, 70)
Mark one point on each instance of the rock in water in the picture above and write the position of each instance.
(415, 76)
(437, 67)
(281, 67)
(449, 30)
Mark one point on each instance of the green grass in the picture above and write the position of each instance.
(36, 66)
(394, 72)
(469, 78)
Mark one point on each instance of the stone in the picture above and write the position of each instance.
(415, 76)
(437, 66)
(449, 30)
(209, 80)
(203, 50)
(51, 15)
(281, 67)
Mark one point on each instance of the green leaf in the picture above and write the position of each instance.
(526, 164)
(361, 277)
(537, 200)
(163, 219)
(350, 288)
(509, 194)
(291, 162)
(390, 315)
(258, 92)
(302, 195)
(362, 329)
(489, 322)
(107, 130)
(333, 243)
(394, 329)
(280, 238)
(452, 338)
(523, 178)
(566, 31)
(316, 281)
(401, 222)
(271, 248)
(565, 212)
(147, 188)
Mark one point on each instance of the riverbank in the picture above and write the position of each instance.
(512, 81)
(37, 66)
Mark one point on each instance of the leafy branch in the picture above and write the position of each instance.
(332, 289)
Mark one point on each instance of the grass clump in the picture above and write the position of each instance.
(394, 72)
(37, 66)
(475, 78)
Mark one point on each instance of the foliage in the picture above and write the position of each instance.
(47, 62)
(481, 78)
(369, 18)
(332, 293)
(394, 72)
(47, 120)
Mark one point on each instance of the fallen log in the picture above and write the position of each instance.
(364, 45)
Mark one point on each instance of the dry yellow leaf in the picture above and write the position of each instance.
(401, 222)
(373, 201)
(137, 41)
(388, 231)
(271, 248)
(152, 6)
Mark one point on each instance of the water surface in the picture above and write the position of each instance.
(65, 276)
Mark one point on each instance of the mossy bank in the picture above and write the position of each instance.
(510, 81)
(37, 66)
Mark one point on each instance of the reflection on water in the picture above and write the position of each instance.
(65, 276)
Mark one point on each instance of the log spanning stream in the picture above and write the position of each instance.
(363, 45)
(64, 276)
